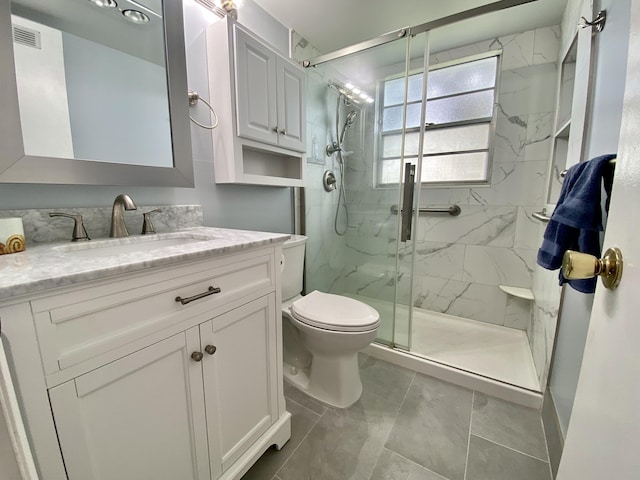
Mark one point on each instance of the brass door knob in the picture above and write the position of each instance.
(210, 349)
(578, 266)
(197, 356)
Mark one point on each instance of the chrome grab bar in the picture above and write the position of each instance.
(453, 210)
(541, 216)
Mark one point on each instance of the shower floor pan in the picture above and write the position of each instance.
(491, 351)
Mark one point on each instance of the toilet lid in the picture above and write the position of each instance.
(335, 312)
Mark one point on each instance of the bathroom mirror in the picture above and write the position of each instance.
(94, 95)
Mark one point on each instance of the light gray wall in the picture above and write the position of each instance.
(602, 137)
(230, 206)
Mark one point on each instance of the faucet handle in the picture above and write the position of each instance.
(80, 233)
(147, 226)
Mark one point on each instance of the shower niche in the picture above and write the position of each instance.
(261, 94)
(573, 87)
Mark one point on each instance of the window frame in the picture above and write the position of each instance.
(491, 121)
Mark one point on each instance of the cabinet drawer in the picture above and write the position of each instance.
(86, 322)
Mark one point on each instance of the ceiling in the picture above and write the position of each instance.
(332, 24)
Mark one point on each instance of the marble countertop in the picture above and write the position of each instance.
(59, 264)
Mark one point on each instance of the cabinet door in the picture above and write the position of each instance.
(140, 417)
(240, 378)
(291, 105)
(255, 89)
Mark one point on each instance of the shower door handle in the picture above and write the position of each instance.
(407, 202)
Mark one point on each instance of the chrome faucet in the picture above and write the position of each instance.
(120, 204)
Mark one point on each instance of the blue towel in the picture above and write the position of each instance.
(576, 222)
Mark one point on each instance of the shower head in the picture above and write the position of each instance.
(350, 120)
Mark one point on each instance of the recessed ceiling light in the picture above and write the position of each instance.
(104, 3)
(134, 16)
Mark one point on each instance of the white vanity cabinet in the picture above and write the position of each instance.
(259, 96)
(141, 416)
(136, 385)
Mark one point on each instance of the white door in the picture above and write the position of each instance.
(605, 421)
(138, 418)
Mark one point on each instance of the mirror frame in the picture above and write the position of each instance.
(18, 167)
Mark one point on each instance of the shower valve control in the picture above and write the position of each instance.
(332, 148)
(329, 180)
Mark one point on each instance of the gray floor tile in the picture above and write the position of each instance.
(302, 420)
(392, 466)
(298, 396)
(513, 426)
(489, 461)
(384, 379)
(344, 444)
(432, 427)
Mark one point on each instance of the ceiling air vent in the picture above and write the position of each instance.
(26, 36)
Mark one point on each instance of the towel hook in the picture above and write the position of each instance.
(193, 101)
(597, 22)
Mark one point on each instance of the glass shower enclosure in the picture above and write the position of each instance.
(434, 175)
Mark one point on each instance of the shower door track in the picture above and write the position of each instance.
(415, 30)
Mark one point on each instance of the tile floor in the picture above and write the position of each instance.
(408, 426)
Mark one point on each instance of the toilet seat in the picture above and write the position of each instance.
(335, 312)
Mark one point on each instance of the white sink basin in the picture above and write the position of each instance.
(119, 246)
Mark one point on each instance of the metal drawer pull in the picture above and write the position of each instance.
(197, 356)
(210, 349)
(210, 291)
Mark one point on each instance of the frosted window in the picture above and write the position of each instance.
(390, 172)
(476, 75)
(392, 117)
(459, 113)
(456, 139)
(392, 144)
(461, 108)
(462, 167)
(394, 90)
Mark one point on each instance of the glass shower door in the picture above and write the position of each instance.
(409, 88)
(354, 229)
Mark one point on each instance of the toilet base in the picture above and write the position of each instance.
(334, 380)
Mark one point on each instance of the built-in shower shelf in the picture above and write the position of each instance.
(519, 292)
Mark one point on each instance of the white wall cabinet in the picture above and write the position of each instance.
(135, 385)
(270, 97)
(260, 98)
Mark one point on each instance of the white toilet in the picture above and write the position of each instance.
(322, 334)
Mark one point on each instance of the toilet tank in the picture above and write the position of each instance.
(292, 266)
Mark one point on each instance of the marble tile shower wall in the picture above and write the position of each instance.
(326, 251)
(460, 261)
(40, 228)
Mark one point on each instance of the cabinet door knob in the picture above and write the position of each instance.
(282, 132)
(210, 349)
(197, 356)
(275, 129)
